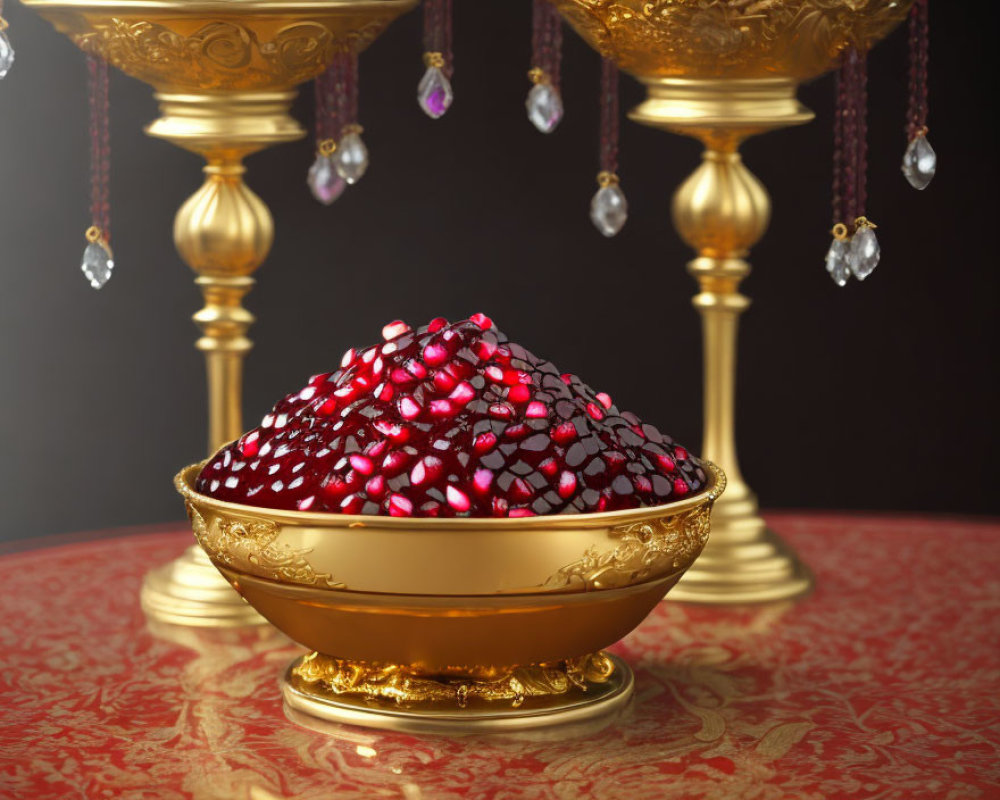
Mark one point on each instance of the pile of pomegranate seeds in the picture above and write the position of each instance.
(452, 419)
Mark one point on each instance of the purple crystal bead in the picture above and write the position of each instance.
(324, 182)
(434, 93)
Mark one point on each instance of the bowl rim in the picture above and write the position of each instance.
(191, 8)
(184, 483)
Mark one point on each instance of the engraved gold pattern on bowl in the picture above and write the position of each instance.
(729, 39)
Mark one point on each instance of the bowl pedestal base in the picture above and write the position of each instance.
(319, 690)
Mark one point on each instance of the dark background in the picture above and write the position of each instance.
(877, 396)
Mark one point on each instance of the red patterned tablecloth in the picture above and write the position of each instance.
(885, 683)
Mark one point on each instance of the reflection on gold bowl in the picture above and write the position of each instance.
(467, 622)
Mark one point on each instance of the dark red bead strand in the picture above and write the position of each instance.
(919, 30)
(100, 145)
(609, 117)
(438, 32)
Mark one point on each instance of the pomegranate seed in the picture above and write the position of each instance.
(399, 506)
(567, 484)
(456, 498)
(484, 349)
(564, 432)
(665, 463)
(482, 321)
(395, 329)
(462, 393)
(536, 410)
(441, 408)
(501, 411)
(408, 408)
(519, 393)
(435, 354)
(447, 420)
(484, 442)
(482, 479)
(250, 444)
(444, 382)
(362, 464)
(427, 469)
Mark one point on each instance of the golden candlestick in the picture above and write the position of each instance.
(721, 71)
(225, 73)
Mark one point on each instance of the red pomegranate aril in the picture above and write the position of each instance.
(400, 506)
(665, 463)
(519, 393)
(482, 480)
(395, 329)
(462, 393)
(451, 419)
(482, 321)
(484, 442)
(564, 432)
(457, 499)
(250, 444)
(441, 408)
(567, 484)
(444, 382)
(362, 464)
(409, 408)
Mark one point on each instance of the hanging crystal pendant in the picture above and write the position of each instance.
(608, 207)
(544, 105)
(864, 252)
(919, 162)
(6, 51)
(324, 182)
(351, 157)
(434, 94)
(97, 262)
(836, 261)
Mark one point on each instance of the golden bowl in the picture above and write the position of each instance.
(459, 620)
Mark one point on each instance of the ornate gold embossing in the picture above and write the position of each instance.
(219, 55)
(655, 548)
(729, 38)
(251, 547)
(407, 687)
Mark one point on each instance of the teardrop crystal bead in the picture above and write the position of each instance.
(324, 182)
(97, 264)
(545, 108)
(6, 55)
(864, 252)
(351, 157)
(836, 262)
(434, 93)
(919, 162)
(609, 209)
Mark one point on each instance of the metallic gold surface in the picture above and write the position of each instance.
(721, 71)
(491, 603)
(586, 702)
(225, 73)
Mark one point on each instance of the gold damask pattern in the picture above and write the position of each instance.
(251, 547)
(729, 38)
(399, 684)
(222, 54)
(646, 549)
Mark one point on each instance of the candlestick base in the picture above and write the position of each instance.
(191, 591)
